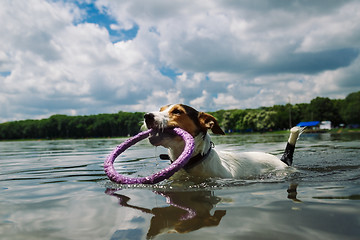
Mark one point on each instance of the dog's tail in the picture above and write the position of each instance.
(295, 133)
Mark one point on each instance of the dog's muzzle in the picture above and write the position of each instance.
(150, 120)
(150, 123)
(161, 133)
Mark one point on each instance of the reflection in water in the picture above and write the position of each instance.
(188, 211)
(292, 192)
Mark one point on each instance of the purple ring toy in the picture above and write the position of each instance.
(157, 177)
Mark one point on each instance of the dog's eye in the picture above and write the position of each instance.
(177, 111)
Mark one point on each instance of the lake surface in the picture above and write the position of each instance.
(58, 190)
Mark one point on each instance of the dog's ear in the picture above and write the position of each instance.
(209, 122)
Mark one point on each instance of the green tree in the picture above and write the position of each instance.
(249, 120)
(323, 109)
(265, 120)
(351, 108)
(226, 122)
(281, 116)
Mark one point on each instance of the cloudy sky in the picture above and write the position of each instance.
(89, 57)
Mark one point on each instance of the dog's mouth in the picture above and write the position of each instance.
(162, 130)
(159, 135)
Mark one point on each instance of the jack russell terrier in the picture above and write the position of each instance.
(205, 161)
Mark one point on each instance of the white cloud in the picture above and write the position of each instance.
(227, 55)
(335, 30)
(205, 101)
(226, 101)
(336, 81)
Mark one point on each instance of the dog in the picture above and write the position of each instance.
(206, 161)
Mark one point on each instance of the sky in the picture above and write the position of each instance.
(89, 57)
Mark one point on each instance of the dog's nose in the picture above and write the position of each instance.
(149, 120)
(149, 117)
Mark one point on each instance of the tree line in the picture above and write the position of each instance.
(338, 111)
(63, 126)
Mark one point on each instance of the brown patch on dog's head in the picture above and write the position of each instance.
(191, 120)
(207, 121)
(184, 117)
(163, 108)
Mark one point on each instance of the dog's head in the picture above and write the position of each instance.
(182, 116)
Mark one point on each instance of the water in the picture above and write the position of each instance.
(57, 190)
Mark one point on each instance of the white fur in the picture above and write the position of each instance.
(224, 164)
(295, 133)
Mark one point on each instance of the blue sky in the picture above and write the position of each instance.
(102, 18)
(89, 57)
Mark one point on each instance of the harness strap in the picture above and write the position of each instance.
(194, 160)
(198, 158)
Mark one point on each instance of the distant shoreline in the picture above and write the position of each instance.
(332, 131)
